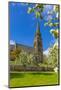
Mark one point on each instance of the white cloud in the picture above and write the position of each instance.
(46, 52)
(12, 42)
(56, 43)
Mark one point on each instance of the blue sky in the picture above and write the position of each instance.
(22, 26)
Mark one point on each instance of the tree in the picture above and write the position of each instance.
(53, 55)
(45, 59)
(30, 59)
(54, 22)
(14, 54)
(55, 33)
(23, 58)
(53, 15)
(17, 51)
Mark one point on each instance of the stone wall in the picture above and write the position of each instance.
(23, 68)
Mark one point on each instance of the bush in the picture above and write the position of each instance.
(30, 68)
(53, 55)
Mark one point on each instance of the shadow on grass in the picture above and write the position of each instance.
(42, 73)
(16, 75)
(22, 75)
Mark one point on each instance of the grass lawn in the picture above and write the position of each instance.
(20, 79)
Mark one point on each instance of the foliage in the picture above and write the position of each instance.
(17, 51)
(53, 56)
(23, 58)
(14, 54)
(45, 59)
(30, 10)
(54, 21)
(30, 59)
(54, 33)
(37, 9)
(27, 59)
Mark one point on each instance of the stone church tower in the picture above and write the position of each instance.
(38, 48)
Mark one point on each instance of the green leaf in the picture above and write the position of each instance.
(39, 6)
(37, 14)
(54, 33)
(50, 24)
(56, 8)
(30, 10)
(55, 24)
(47, 23)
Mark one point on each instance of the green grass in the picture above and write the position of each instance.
(20, 79)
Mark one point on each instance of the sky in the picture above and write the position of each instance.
(22, 26)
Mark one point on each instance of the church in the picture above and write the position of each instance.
(37, 48)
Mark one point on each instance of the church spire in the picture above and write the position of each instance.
(38, 29)
(38, 48)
